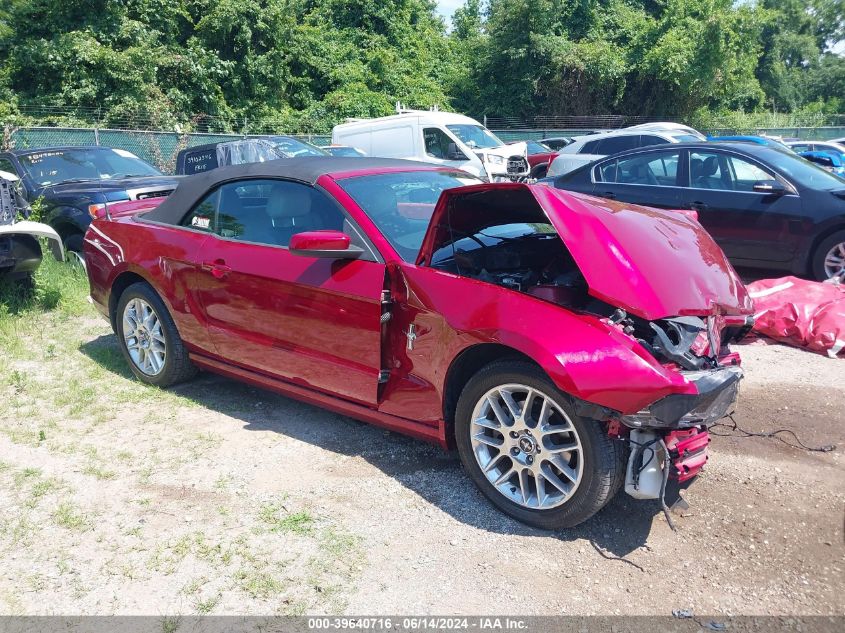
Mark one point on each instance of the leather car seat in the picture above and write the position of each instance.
(708, 179)
(289, 212)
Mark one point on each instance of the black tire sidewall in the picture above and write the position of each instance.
(590, 496)
(821, 251)
(171, 337)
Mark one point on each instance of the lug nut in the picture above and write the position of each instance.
(530, 459)
(514, 434)
(514, 451)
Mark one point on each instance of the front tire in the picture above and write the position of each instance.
(829, 257)
(522, 444)
(73, 250)
(149, 339)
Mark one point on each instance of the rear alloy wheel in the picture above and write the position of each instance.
(149, 339)
(830, 257)
(529, 453)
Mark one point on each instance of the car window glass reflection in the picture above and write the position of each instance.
(713, 170)
(265, 211)
(653, 168)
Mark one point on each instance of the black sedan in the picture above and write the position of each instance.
(765, 207)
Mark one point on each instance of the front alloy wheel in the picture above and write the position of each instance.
(526, 446)
(834, 261)
(526, 449)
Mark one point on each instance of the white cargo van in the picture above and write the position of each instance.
(442, 138)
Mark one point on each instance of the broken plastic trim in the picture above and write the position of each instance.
(675, 337)
(717, 393)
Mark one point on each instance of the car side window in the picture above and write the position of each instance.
(265, 211)
(648, 139)
(714, 170)
(202, 216)
(804, 147)
(590, 148)
(745, 174)
(436, 142)
(652, 168)
(616, 144)
(7, 166)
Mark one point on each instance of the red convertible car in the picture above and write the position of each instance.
(565, 345)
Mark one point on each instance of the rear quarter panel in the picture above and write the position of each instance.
(164, 256)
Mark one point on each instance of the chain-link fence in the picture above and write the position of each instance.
(157, 148)
(160, 148)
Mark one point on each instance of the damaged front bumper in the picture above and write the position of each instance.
(717, 391)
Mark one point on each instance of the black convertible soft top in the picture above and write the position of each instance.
(306, 169)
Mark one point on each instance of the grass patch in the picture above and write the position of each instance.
(278, 519)
(70, 517)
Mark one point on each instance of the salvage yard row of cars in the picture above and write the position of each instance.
(568, 342)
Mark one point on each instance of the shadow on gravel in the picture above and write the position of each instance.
(620, 528)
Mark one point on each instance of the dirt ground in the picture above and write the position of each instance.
(219, 498)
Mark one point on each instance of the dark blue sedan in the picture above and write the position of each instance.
(766, 207)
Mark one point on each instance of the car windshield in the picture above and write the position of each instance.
(535, 147)
(292, 147)
(686, 138)
(804, 172)
(52, 166)
(401, 204)
(475, 135)
(343, 151)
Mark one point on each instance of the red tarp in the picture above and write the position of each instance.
(807, 314)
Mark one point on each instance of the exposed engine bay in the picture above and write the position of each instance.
(532, 258)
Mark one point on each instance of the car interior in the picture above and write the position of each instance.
(265, 212)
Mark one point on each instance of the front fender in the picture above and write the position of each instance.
(584, 356)
(37, 229)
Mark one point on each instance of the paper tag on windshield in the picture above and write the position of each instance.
(124, 153)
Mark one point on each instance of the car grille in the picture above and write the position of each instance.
(517, 165)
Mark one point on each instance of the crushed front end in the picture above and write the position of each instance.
(669, 438)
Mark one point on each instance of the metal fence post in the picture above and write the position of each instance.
(96, 136)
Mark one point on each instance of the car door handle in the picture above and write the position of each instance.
(609, 195)
(217, 268)
(698, 206)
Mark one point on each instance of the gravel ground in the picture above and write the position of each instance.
(219, 498)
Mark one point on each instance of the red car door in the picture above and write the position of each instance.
(312, 321)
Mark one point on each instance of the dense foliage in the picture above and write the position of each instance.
(304, 64)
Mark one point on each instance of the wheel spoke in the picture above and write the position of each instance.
(556, 481)
(524, 476)
(488, 440)
(504, 476)
(501, 416)
(540, 480)
(510, 403)
(560, 448)
(488, 424)
(564, 468)
(493, 462)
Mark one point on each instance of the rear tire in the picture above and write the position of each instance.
(149, 339)
(829, 257)
(552, 487)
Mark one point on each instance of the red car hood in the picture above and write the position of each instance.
(652, 263)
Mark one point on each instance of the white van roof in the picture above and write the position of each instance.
(436, 117)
